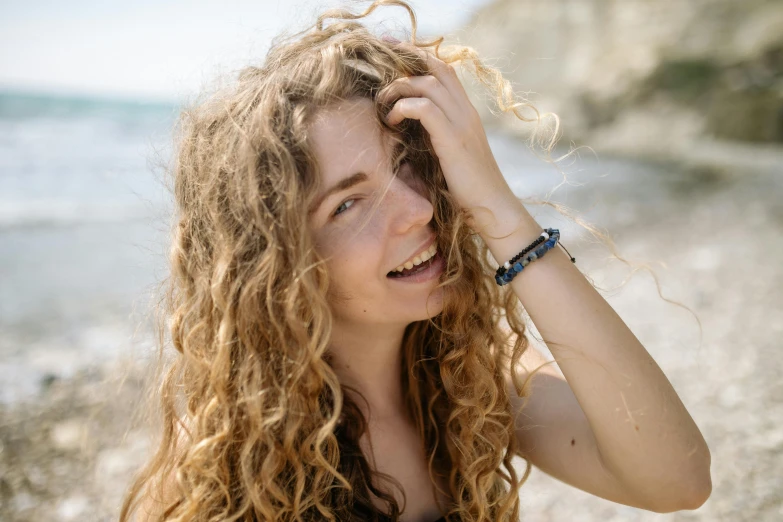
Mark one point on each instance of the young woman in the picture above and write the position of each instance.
(345, 351)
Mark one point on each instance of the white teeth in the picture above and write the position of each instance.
(419, 259)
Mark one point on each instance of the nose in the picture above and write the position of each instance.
(409, 206)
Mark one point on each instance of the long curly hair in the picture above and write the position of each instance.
(255, 423)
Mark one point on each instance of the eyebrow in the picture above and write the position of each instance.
(343, 184)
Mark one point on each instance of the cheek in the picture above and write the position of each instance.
(353, 284)
(355, 256)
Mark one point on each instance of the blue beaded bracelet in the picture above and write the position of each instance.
(516, 264)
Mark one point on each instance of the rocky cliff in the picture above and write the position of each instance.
(642, 76)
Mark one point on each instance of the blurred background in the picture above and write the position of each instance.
(680, 104)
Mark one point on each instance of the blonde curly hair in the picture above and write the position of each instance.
(251, 407)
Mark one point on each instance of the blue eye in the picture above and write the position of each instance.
(343, 204)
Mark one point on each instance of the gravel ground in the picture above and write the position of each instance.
(719, 236)
(714, 238)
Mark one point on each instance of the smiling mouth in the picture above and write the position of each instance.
(415, 270)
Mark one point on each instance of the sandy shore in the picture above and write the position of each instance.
(67, 451)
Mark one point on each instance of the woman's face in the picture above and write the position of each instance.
(367, 222)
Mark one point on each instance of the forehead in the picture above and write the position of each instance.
(347, 138)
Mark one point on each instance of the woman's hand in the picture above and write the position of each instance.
(440, 102)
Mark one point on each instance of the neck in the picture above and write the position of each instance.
(368, 358)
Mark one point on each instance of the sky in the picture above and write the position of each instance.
(167, 50)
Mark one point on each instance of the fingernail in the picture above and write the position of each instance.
(389, 39)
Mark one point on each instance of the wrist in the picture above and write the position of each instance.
(506, 227)
(501, 216)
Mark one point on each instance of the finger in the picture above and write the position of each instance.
(422, 86)
(444, 72)
(423, 109)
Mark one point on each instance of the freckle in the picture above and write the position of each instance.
(573, 442)
(637, 427)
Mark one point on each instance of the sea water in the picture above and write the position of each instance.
(84, 216)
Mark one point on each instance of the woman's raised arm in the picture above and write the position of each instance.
(630, 439)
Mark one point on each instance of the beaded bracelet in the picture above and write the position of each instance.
(513, 266)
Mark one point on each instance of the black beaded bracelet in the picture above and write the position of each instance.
(516, 264)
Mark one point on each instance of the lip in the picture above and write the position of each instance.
(424, 246)
(433, 271)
